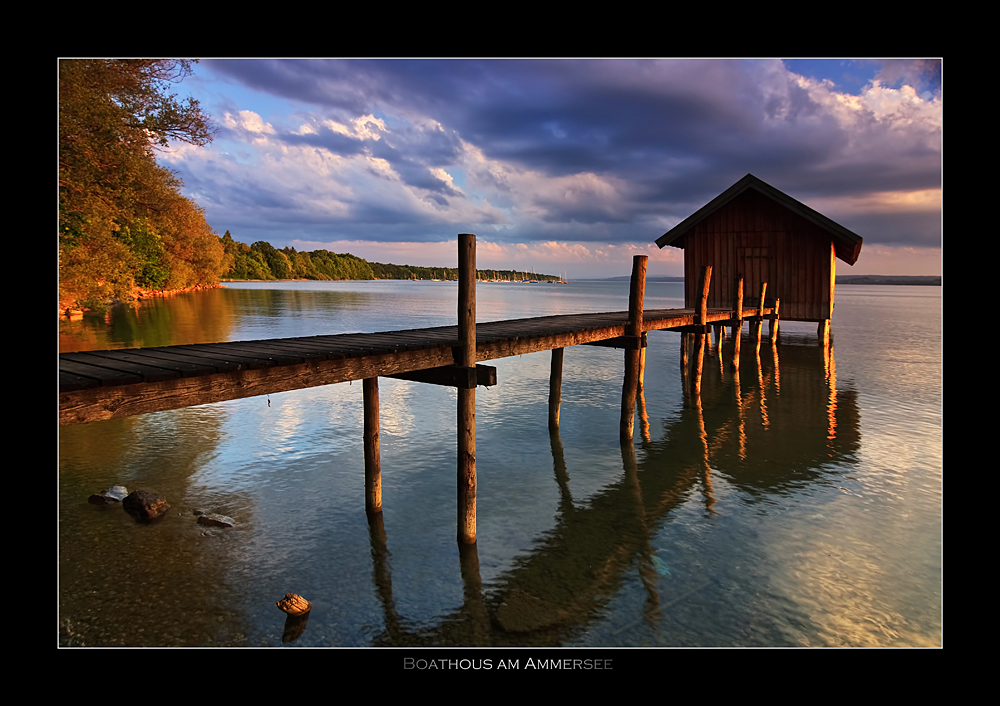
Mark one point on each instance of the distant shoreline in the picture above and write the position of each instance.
(925, 280)
(912, 280)
(919, 280)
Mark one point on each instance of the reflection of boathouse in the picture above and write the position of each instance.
(757, 232)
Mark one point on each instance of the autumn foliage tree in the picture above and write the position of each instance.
(123, 223)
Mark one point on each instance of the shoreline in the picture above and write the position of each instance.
(70, 310)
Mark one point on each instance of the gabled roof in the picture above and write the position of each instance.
(846, 243)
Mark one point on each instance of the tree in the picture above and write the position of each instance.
(277, 261)
(141, 238)
(113, 196)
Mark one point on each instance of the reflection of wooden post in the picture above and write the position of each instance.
(738, 328)
(699, 363)
(777, 368)
(642, 371)
(633, 358)
(773, 324)
(555, 388)
(467, 398)
(383, 574)
(473, 605)
(373, 463)
(559, 466)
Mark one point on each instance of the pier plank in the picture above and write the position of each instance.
(107, 384)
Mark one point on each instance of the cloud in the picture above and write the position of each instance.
(922, 74)
(585, 151)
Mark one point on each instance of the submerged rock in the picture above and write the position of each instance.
(114, 494)
(144, 505)
(212, 520)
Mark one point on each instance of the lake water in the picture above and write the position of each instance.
(798, 506)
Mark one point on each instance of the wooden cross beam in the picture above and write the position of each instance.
(692, 328)
(453, 376)
(630, 343)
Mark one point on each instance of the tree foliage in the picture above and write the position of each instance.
(262, 261)
(122, 220)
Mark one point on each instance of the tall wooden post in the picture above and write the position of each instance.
(633, 358)
(702, 320)
(738, 328)
(467, 398)
(759, 319)
(705, 284)
(555, 388)
(824, 326)
(373, 463)
(773, 325)
(720, 338)
(823, 332)
(685, 364)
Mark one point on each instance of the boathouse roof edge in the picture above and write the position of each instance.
(847, 244)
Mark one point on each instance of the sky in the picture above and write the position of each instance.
(562, 166)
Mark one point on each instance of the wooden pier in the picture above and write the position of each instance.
(99, 385)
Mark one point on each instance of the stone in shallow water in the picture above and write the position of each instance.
(294, 604)
(144, 505)
(216, 521)
(114, 494)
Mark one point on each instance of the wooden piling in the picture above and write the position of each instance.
(467, 397)
(759, 319)
(738, 327)
(702, 320)
(720, 342)
(773, 323)
(630, 386)
(555, 388)
(706, 281)
(823, 332)
(373, 463)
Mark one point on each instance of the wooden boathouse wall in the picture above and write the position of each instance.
(758, 233)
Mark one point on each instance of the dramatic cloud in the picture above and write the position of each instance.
(583, 153)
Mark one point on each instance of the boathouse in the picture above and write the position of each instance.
(753, 231)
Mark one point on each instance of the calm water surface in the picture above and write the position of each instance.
(798, 504)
